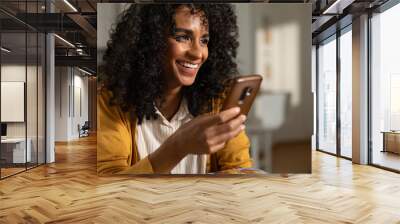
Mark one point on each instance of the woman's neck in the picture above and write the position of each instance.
(170, 102)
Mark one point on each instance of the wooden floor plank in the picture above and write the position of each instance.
(69, 191)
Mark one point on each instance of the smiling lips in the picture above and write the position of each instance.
(187, 68)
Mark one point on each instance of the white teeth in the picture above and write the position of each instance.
(189, 65)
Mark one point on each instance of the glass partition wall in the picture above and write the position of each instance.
(22, 77)
(345, 62)
(334, 90)
(385, 89)
(326, 60)
(334, 100)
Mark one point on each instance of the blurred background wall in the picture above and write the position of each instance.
(275, 41)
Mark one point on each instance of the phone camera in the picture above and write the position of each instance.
(246, 92)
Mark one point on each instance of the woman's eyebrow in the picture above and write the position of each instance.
(187, 31)
(176, 29)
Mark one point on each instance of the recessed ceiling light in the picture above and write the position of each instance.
(70, 5)
(84, 71)
(5, 50)
(64, 40)
(337, 7)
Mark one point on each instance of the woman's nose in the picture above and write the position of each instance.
(195, 51)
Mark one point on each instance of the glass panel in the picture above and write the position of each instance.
(13, 87)
(327, 96)
(346, 94)
(386, 89)
(394, 102)
(22, 76)
(31, 98)
(41, 98)
(16, 8)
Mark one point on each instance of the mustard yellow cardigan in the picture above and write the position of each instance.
(117, 151)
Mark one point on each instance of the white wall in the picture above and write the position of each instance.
(62, 80)
(13, 73)
(245, 57)
(70, 84)
(275, 41)
(107, 14)
(33, 127)
(80, 109)
(16, 72)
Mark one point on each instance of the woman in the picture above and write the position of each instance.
(163, 81)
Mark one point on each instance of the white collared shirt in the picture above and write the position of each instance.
(152, 133)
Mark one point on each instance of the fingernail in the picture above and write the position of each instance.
(237, 109)
(244, 118)
(242, 127)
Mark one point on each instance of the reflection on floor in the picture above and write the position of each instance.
(387, 159)
(13, 169)
(10, 171)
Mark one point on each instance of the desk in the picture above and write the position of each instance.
(391, 141)
(13, 150)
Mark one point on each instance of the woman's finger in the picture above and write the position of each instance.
(222, 117)
(226, 136)
(230, 126)
(226, 127)
(217, 147)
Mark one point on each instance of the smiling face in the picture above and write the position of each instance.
(187, 48)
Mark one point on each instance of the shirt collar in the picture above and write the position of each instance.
(181, 114)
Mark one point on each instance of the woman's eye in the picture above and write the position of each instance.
(205, 41)
(182, 38)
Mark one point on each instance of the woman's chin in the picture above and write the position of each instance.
(187, 81)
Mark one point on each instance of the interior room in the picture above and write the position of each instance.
(324, 128)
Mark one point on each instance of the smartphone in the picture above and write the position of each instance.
(242, 92)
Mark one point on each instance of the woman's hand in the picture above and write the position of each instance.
(204, 134)
(207, 134)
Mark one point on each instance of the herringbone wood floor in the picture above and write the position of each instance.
(69, 191)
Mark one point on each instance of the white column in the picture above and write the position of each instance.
(50, 92)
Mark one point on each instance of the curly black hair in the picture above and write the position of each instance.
(132, 68)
